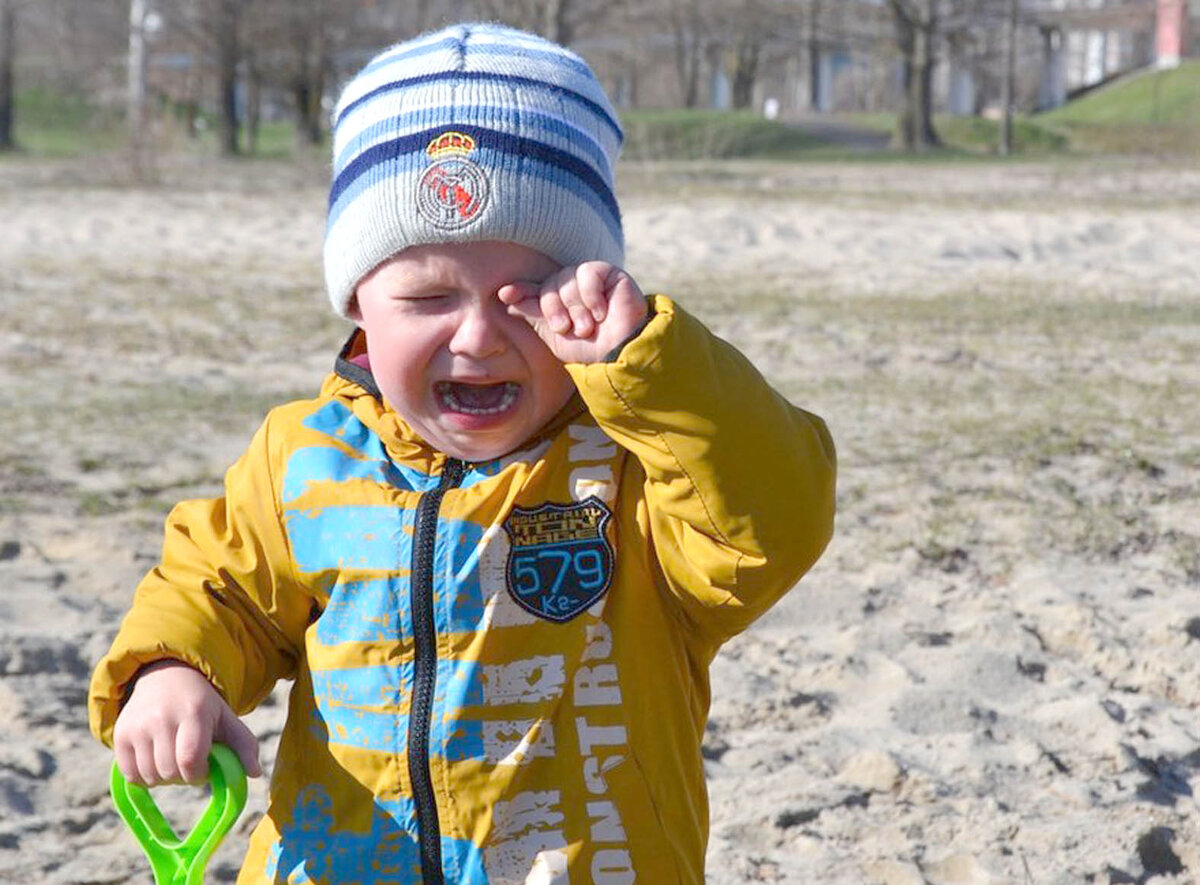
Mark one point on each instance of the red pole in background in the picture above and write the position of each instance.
(1170, 43)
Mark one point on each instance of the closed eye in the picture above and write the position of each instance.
(430, 300)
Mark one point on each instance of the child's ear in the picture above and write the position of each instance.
(353, 311)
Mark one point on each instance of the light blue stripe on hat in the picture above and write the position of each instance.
(524, 53)
(477, 76)
(406, 53)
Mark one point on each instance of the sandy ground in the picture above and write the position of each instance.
(992, 675)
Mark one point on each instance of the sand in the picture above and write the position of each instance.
(991, 676)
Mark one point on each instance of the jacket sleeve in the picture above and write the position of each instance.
(223, 599)
(739, 483)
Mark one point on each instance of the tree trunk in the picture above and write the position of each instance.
(914, 38)
(227, 62)
(814, 56)
(309, 45)
(745, 74)
(191, 101)
(137, 117)
(927, 136)
(688, 58)
(253, 103)
(307, 90)
(1010, 75)
(904, 135)
(8, 47)
(554, 22)
(307, 96)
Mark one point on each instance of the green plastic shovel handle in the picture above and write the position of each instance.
(178, 861)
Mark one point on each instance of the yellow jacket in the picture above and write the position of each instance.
(501, 669)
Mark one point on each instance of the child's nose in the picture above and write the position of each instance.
(480, 331)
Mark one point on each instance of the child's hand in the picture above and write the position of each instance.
(169, 723)
(582, 312)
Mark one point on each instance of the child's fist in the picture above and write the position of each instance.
(582, 312)
(169, 723)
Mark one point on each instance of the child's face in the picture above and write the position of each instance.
(472, 380)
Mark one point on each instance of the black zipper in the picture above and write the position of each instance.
(425, 660)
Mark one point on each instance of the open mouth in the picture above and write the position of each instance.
(477, 399)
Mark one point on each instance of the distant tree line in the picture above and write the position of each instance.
(218, 60)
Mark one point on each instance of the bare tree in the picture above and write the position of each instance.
(210, 30)
(311, 51)
(916, 23)
(690, 36)
(747, 52)
(538, 16)
(563, 21)
(223, 25)
(294, 42)
(750, 26)
(1008, 83)
(8, 50)
(136, 116)
(814, 53)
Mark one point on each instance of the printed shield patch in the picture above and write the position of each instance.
(454, 189)
(560, 561)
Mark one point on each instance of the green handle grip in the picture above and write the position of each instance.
(178, 861)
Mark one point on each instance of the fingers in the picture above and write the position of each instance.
(192, 744)
(593, 281)
(572, 302)
(513, 294)
(166, 766)
(127, 761)
(241, 740)
(145, 772)
(581, 312)
(579, 303)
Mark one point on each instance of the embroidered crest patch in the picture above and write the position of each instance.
(454, 189)
(560, 561)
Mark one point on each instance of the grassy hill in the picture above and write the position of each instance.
(1148, 112)
(1169, 98)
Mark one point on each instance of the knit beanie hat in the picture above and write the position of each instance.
(475, 132)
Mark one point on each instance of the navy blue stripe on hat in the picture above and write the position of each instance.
(450, 116)
(459, 76)
(501, 142)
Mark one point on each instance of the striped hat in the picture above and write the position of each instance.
(475, 132)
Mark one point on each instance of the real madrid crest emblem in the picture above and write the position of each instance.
(560, 561)
(454, 189)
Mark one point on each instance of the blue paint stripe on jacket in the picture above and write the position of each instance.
(313, 847)
(364, 707)
(316, 464)
(374, 538)
(457, 597)
(367, 611)
(487, 76)
(379, 609)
